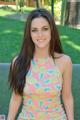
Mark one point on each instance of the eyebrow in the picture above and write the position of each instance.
(42, 27)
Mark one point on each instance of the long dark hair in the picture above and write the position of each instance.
(19, 68)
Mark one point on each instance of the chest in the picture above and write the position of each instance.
(43, 79)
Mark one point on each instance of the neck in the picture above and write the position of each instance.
(41, 53)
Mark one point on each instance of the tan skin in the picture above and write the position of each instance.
(65, 66)
(41, 38)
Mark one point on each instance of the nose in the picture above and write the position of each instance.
(40, 34)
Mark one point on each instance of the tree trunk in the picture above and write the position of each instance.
(37, 3)
(63, 9)
(42, 3)
(52, 7)
(78, 14)
(71, 16)
(17, 5)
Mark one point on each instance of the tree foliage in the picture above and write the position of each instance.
(20, 3)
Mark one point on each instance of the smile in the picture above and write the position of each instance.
(40, 40)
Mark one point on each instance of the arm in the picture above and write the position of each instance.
(66, 91)
(14, 106)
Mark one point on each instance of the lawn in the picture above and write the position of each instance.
(10, 38)
(11, 35)
(70, 38)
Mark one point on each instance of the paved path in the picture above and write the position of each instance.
(22, 16)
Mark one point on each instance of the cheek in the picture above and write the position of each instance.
(33, 36)
(48, 34)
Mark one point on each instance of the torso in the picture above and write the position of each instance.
(42, 91)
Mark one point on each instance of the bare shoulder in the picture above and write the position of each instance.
(63, 61)
(66, 59)
(63, 57)
(67, 63)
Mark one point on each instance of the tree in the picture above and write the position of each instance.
(71, 12)
(70, 9)
(19, 3)
(40, 3)
(63, 9)
(52, 7)
(37, 3)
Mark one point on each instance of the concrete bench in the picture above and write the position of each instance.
(5, 92)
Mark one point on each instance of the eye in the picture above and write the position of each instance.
(45, 28)
(33, 30)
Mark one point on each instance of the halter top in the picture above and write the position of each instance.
(42, 92)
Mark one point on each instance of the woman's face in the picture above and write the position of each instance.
(40, 32)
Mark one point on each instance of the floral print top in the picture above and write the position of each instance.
(42, 92)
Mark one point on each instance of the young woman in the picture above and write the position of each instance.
(41, 74)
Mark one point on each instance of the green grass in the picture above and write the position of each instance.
(6, 10)
(3, 13)
(11, 34)
(70, 38)
(10, 10)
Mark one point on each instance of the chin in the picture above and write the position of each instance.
(42, 47)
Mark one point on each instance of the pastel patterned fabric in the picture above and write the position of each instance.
(41, 99)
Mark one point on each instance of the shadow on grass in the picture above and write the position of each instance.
(12, 30)
(70, 38)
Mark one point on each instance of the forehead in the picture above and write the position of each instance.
(40, 21)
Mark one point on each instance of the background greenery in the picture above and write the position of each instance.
(11, 35)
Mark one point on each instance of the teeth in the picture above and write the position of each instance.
(40, 40)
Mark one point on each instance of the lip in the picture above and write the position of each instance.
(40, 40)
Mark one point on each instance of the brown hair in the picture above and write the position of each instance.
(21, 65)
